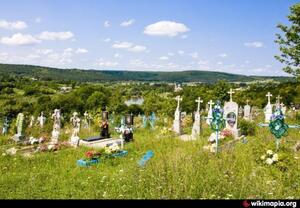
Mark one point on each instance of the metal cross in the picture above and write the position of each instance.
(198, 101)
(230, 93)
(269, 95)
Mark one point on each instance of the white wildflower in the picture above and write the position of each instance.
(270, 152)
(269, 161)
(275, 157)
(263, 157)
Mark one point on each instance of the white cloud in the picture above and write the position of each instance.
(17, 25)
(163, 58)
(254, 44)
(103, 63)
(137, 49)
(44, 51)
(117, 55)
(171, 54)
(165, 28)
(122, 45)
(180, 52)
(184, 36)
(56, 35)
(107, 40)
(194, 55)
(220, 63)
(81, 50)
(38, 20)
(68, 50)
(223, 55)
(19, 39)
(107, 23)
(127, 23)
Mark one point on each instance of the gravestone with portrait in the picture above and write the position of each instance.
(231, 115)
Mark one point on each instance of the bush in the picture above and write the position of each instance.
(248, 128)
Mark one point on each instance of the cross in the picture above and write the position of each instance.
(247, 101)
(178, 98)
(198, 101)
(278, 99)
(269, 95)
(230, 93)
(210, 103)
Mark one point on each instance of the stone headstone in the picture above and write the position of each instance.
(41, 119)
(75, 122)
(56, 127)
(32, 119)
(231, 115)
(20, 124)
(209, 114)
(5, 126)
(268, 109)
(196, 126)
(247, 112)
(177, 117)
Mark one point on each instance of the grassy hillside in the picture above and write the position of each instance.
(47, 73)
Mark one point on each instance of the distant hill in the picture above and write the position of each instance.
(47, 73)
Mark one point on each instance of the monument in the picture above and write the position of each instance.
(75, 122)
(231, 115)
(41, 119)
(177, 117)
(19, 124)
(268, 109)
(196, 126)
(209, 114)
(56, 126)
(247, 111)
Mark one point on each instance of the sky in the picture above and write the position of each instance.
(144, 35)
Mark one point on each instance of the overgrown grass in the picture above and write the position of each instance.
(178, 170)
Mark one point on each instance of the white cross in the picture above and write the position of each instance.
(178, 98)
(198, 101)
(210, 103)
(269, 95)
(230, 93)
(278, 98)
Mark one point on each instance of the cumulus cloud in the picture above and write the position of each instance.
(16, 25)
(254, 44)
(44, 51)
(163, 58)
(19, 39)
(103, 63)
(117, 55)
(165, 28)
(127, 23)
(137, 48)
(122, 45)
(56, 35)
(106, 40)
(107, 23)
(81, 50)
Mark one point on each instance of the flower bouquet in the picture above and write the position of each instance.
(91, 158)
(114, 151)
(270, 158)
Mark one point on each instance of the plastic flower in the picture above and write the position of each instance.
(269, 161)
(270, 152)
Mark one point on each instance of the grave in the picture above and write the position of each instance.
(209, 114)
(268, 109)
(19, 123)
(196, 126)
(247, 111)
(177, 117)
(231, 115)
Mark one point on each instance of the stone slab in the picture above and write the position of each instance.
(101, 143)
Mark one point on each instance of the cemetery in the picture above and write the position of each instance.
(118, 131)
(183, 145)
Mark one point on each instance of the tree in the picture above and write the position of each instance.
(289, 42)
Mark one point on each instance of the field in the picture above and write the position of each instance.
(178, 170)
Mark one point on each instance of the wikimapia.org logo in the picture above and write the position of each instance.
(274, 204)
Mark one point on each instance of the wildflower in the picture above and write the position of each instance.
(121, 171)
(269, 161)
(270, 152)
(263, 157)
(275, 157)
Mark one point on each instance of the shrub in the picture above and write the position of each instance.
(248, 128)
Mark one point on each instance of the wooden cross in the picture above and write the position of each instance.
(198, 101)
(178, 98)
(230, 93)
(269, 95)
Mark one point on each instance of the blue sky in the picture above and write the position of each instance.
(154, 35)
